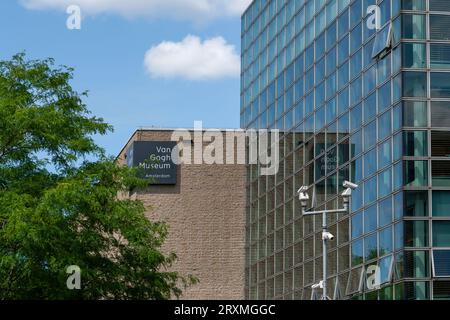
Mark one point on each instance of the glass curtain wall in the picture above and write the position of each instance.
(351, 103)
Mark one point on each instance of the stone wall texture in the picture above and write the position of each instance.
(205, 212)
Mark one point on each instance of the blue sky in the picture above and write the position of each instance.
(108, 55)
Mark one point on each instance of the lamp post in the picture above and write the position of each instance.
(326, 236)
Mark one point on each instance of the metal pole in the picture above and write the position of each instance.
(324, 241)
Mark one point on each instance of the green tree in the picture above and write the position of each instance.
(57, 209)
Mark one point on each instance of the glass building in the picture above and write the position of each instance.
(353, 102)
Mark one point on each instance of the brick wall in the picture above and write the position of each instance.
(205, 212)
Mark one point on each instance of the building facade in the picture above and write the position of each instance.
(361, 91)
(204, 208)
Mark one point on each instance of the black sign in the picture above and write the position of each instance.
(154, 161)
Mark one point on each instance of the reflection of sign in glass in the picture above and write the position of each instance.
(154, 160)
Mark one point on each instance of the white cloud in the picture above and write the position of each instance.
(193, 59)
(183, 9)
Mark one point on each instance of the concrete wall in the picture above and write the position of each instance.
(206, 215)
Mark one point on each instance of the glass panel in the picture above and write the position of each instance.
(416, 203)
(357, 225)
(441, 289)
(441, 173)
(441, 263)
(370, 163)
(384, 154)
(415, 143)
(416, 233)
(386, 269)
(415, 114)
(440, 144)
(417, 290)
(383, 41)
(441, 203)
(417, 5)
(370, 219)
(398, 236)
(439, 29)
(385, 183)
(413, 26)
(414, 84)
(416, 264)
(370, 247)
(384, 126)
(440, 84)
(385, 212)
(386, 241)
(440, 56)
(371, 190)
(356, 118)
(439, 5)
(416, 173)
(414, 55)
(440, 114)
(370, 135)
(441, 233)
(357, 252)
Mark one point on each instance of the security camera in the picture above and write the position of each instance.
(327, 236)
(317, 285)
(351, 185)
(304, 198)
(303, 189)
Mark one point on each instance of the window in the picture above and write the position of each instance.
(440, 85)
(440, 114)
(370, 163)
(417, 5)
(415, 143)
(441, 203)
(440, 144)
(414, 55)
(384, 97)
(357, 252)
(439, 29)
(385, 212)
(370, 135)
(385, 183)
(384, 154)
(441, 233)
(370, 107)
(415, 114)
(416, 203)
(440, 56)
(356, 118)
(398, 236)
(383, 42)
(441, 173)
(370, 186)
(384, 126)
(386, 241)
(386, 267)
(441, 290)
(419, 290)
(439, 5)
(416, 264)
(357, 225)
(370, 247)
(384, 69)
(370, 219)
(414, 84)
(441, 263)
(416, 173)
(413, 26)
(416, 234)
